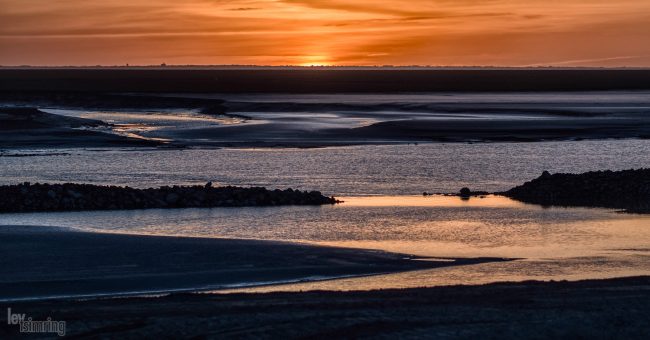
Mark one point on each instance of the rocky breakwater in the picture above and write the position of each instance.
(28, 197)
(628, 190)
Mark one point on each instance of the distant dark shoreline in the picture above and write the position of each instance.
(316, 80)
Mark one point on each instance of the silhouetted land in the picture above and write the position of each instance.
(320, 81)
(29, 197)
(627, 189)
(600, 309)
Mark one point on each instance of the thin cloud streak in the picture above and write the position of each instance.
(438, 32)
(587, 61)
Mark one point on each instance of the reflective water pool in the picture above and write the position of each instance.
(547, 243)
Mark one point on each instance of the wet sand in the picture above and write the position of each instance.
(413, 130)
(356, 128)
(601, 309)
(314, 133)
(367, 123)
(185, 120)
(41, 262)
(32, 128)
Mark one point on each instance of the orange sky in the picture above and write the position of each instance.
(320, 32)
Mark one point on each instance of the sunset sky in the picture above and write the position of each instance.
(320, 32)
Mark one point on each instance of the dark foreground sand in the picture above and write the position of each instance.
(598, 309)
(40, 262)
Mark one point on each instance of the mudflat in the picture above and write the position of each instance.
(25, 127)
(42, 262)
(603, 309)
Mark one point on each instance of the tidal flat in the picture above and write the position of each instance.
(387, 261)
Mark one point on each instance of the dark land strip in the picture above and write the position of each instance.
(206, 80)
(599, 309)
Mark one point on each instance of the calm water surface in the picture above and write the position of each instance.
(347, 171)
(550, 243)
(383, 209)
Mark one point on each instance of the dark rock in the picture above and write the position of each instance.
(171, 198)
(465, 192)
(627, 189)
(62, 197)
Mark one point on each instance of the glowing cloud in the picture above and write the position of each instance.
(319, 32)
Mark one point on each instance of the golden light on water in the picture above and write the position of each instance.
(434, 201)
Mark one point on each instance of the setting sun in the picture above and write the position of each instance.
(265, 32)
(315, 60)
(307, 169)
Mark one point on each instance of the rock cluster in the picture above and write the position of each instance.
(464, 192)
(66, 197)
(627, 189)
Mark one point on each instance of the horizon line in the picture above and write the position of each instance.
(325, 67)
